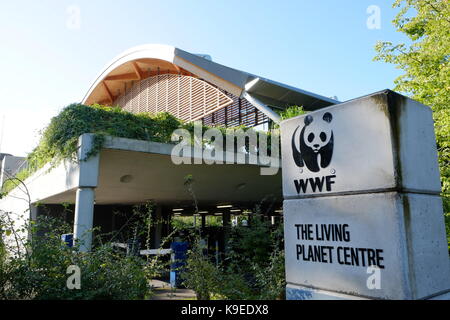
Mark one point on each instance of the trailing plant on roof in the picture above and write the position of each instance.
(59, 140)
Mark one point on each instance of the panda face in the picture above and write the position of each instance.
(313, 144)
(317, 132)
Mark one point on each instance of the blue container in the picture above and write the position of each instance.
(179, 255)
(68, 239)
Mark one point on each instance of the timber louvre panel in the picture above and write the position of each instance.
(185, 97)
(172, 94)
(240, 112)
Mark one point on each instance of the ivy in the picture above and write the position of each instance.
(59, 140)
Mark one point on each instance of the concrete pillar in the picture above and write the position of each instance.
(226, 219)
(87, 181)
(167, 218)
(84, 218)
(203, 221)
(34, 211)
(158, 221)
(226, 227)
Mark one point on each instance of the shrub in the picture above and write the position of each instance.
(292, 111)
(256, 257)
(200, 275)
(40, 270)
(253, 269)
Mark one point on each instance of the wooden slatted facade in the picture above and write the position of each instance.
(189, 98)
(240, 112)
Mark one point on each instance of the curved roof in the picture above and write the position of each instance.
(140, 62)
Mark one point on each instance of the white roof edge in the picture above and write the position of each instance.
(156, 51)
(308, 93)
(170, 53)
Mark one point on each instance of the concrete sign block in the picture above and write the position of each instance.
(380, 245)
(362, 211)
(383, 141)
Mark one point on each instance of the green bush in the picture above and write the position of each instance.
(200, 275)
(442, 129)
(271, 277)
(39, 271)
(253, 269)
(255, 255)
(292, 111)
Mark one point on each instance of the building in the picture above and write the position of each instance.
(154, 78)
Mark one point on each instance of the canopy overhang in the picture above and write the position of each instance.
(134, 171)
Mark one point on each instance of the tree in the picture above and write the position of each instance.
(425, 61)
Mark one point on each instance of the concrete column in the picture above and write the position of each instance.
(226, 227)
(84, 218)
(226, 219)
(203, 221)
(167, 217)
(87, 181)
(157, 227)
(34, 211)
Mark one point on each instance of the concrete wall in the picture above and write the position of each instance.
(363, 213)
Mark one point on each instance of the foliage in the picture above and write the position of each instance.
(447, 225)
(426, 65)
(292, 111)
(137, 226)
(182, 223)
(201, 275)
(271, 277)
(187, 222)
(59, 140)
(12, 182)
(40, 272)
(253, 269)
(255, 256)
(255, 241)
(442, 129)
(425, 61)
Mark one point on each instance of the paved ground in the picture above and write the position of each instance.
(163, 291)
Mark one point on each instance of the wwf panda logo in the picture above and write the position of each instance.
(314, 146)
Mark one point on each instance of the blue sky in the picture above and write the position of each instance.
(47, 60)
